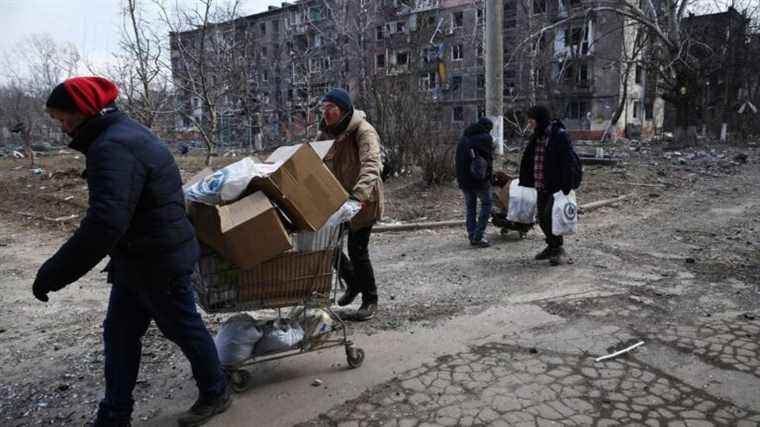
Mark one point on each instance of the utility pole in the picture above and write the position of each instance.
(494, 52)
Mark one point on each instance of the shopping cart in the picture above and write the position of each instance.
(305, 276)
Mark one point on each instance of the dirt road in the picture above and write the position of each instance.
(677, 267)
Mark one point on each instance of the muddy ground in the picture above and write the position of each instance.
(684, 249)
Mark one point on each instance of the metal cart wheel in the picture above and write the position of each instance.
(354, 356)
(240, 380)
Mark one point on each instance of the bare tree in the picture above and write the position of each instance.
(32, 68)
(138, 67)
(208, 62)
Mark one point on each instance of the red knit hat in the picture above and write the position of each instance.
(87, 95)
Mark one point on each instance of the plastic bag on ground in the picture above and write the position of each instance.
(228, 183)
(236, 339)
(522, 203)
(564, 214)
(279, 335)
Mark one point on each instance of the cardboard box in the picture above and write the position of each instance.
(320, 147)
(246, 232)
(302, 186)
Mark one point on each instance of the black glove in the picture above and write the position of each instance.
(39, 290)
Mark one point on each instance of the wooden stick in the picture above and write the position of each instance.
(40, 217)
(593, 205)
(639, 184)
(457, 223)
(618, 353)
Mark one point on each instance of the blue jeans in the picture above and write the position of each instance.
(130, 311)
(477, 227)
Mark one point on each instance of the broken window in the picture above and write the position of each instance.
(540, 77)
(315, 13)
(457, 52)
(481, 81)
(576, 110)
(539, 6)
(265, 76)
(577, 39)
(402, 58)
(648, 110)
(379, 32)
(635, 107)
(458, 114)
(639, 74)
(427, 81)
(400, 26)
(480, 17)
(263, 28)
(380, 61)
(456, 84)
(457, 20)
(510, 8)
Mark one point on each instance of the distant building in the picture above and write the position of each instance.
(295, 53)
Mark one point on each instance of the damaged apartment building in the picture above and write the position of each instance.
(266, 72)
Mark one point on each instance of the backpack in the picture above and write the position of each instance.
(576, 168)
(478, 166)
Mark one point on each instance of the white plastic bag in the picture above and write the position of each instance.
(347, 211)
(279, 335)
(522, 203)
(226, 184)
(236, 339)
(321, 239)
(564, 214)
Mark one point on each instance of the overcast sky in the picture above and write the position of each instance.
(91, 25)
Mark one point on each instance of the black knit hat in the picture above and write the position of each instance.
(486, 123)
(60, 99)
(540, 114)
(341, 98)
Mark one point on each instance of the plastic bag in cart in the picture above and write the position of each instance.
(228, 183)
(522, 203)
(325, 237)
(279, 335)
(236, 339)
(315, 321)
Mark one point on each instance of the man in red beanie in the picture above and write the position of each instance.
(137, 217)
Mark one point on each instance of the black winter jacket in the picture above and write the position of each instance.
(478, 138)
(136, 210)
(556, 160)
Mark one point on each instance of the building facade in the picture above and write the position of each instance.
(288, 56)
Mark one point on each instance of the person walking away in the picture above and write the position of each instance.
(545, 166)
(136, 215)
(354, 159)
(476, 145)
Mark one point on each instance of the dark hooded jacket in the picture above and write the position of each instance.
(136, 210)
(476, 137)
(557, 173)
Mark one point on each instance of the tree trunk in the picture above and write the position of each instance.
(27, 135)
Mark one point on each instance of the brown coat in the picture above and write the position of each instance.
(354, 159)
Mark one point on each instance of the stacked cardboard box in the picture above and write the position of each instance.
(253, 233)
